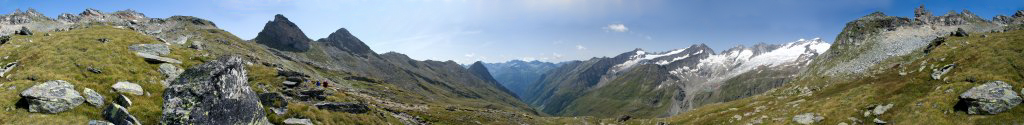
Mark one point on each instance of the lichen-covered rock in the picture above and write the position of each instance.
(94, 98)
(128, 87)
(119, 115)
(52, 97)
(989, 99)
(152, 49)
(216, 92)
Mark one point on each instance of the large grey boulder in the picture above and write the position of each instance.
(94, 98)
(170, 71)
(808, 118)
(988, 99)
(52, 97)
(216, 93)
(119, 115)
(156, 59)
(128, 87)
(152, 49)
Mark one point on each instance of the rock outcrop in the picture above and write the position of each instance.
(216, 92)
(988, 99)
(52, 97)
(282, 34)
(349, 107)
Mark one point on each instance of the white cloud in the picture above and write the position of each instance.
(580, 47)
(470, 55)
(616, 28)
(556, 55)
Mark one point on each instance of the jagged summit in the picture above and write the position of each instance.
(344, 40)
(284, 35)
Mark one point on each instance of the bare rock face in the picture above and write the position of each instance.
(282, 34)
(215, 93)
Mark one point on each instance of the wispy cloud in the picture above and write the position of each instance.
(581, 47)
(616, 28)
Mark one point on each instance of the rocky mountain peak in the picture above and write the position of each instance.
(91, 12)
(1019, 14)
(922, 12)
(344, 40)
(129, 14)
(284, 35)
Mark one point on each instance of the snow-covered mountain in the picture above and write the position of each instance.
(670, 82)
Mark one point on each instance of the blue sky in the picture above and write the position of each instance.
(548, 30)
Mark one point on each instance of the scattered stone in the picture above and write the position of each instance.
(290, 83)
(128, 87)
(99, 122)
(92, 97)
(119, 115)
(103, 40)
(296, 121)
(23, 31)
(624, 118)
(123, 100)
(216, 92)
(52, 97)
(47, 34)
(984, 36)
(879, 121)
(808, 118)
(151, 49)
(156, 59)
(7, 68)
(94, 70)
(878, 110)
(273, 100)
(350, 107)
(197, 45)
(988, 99)
(960, 32)
(937, 73)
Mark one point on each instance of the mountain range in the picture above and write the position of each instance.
(125, 68)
